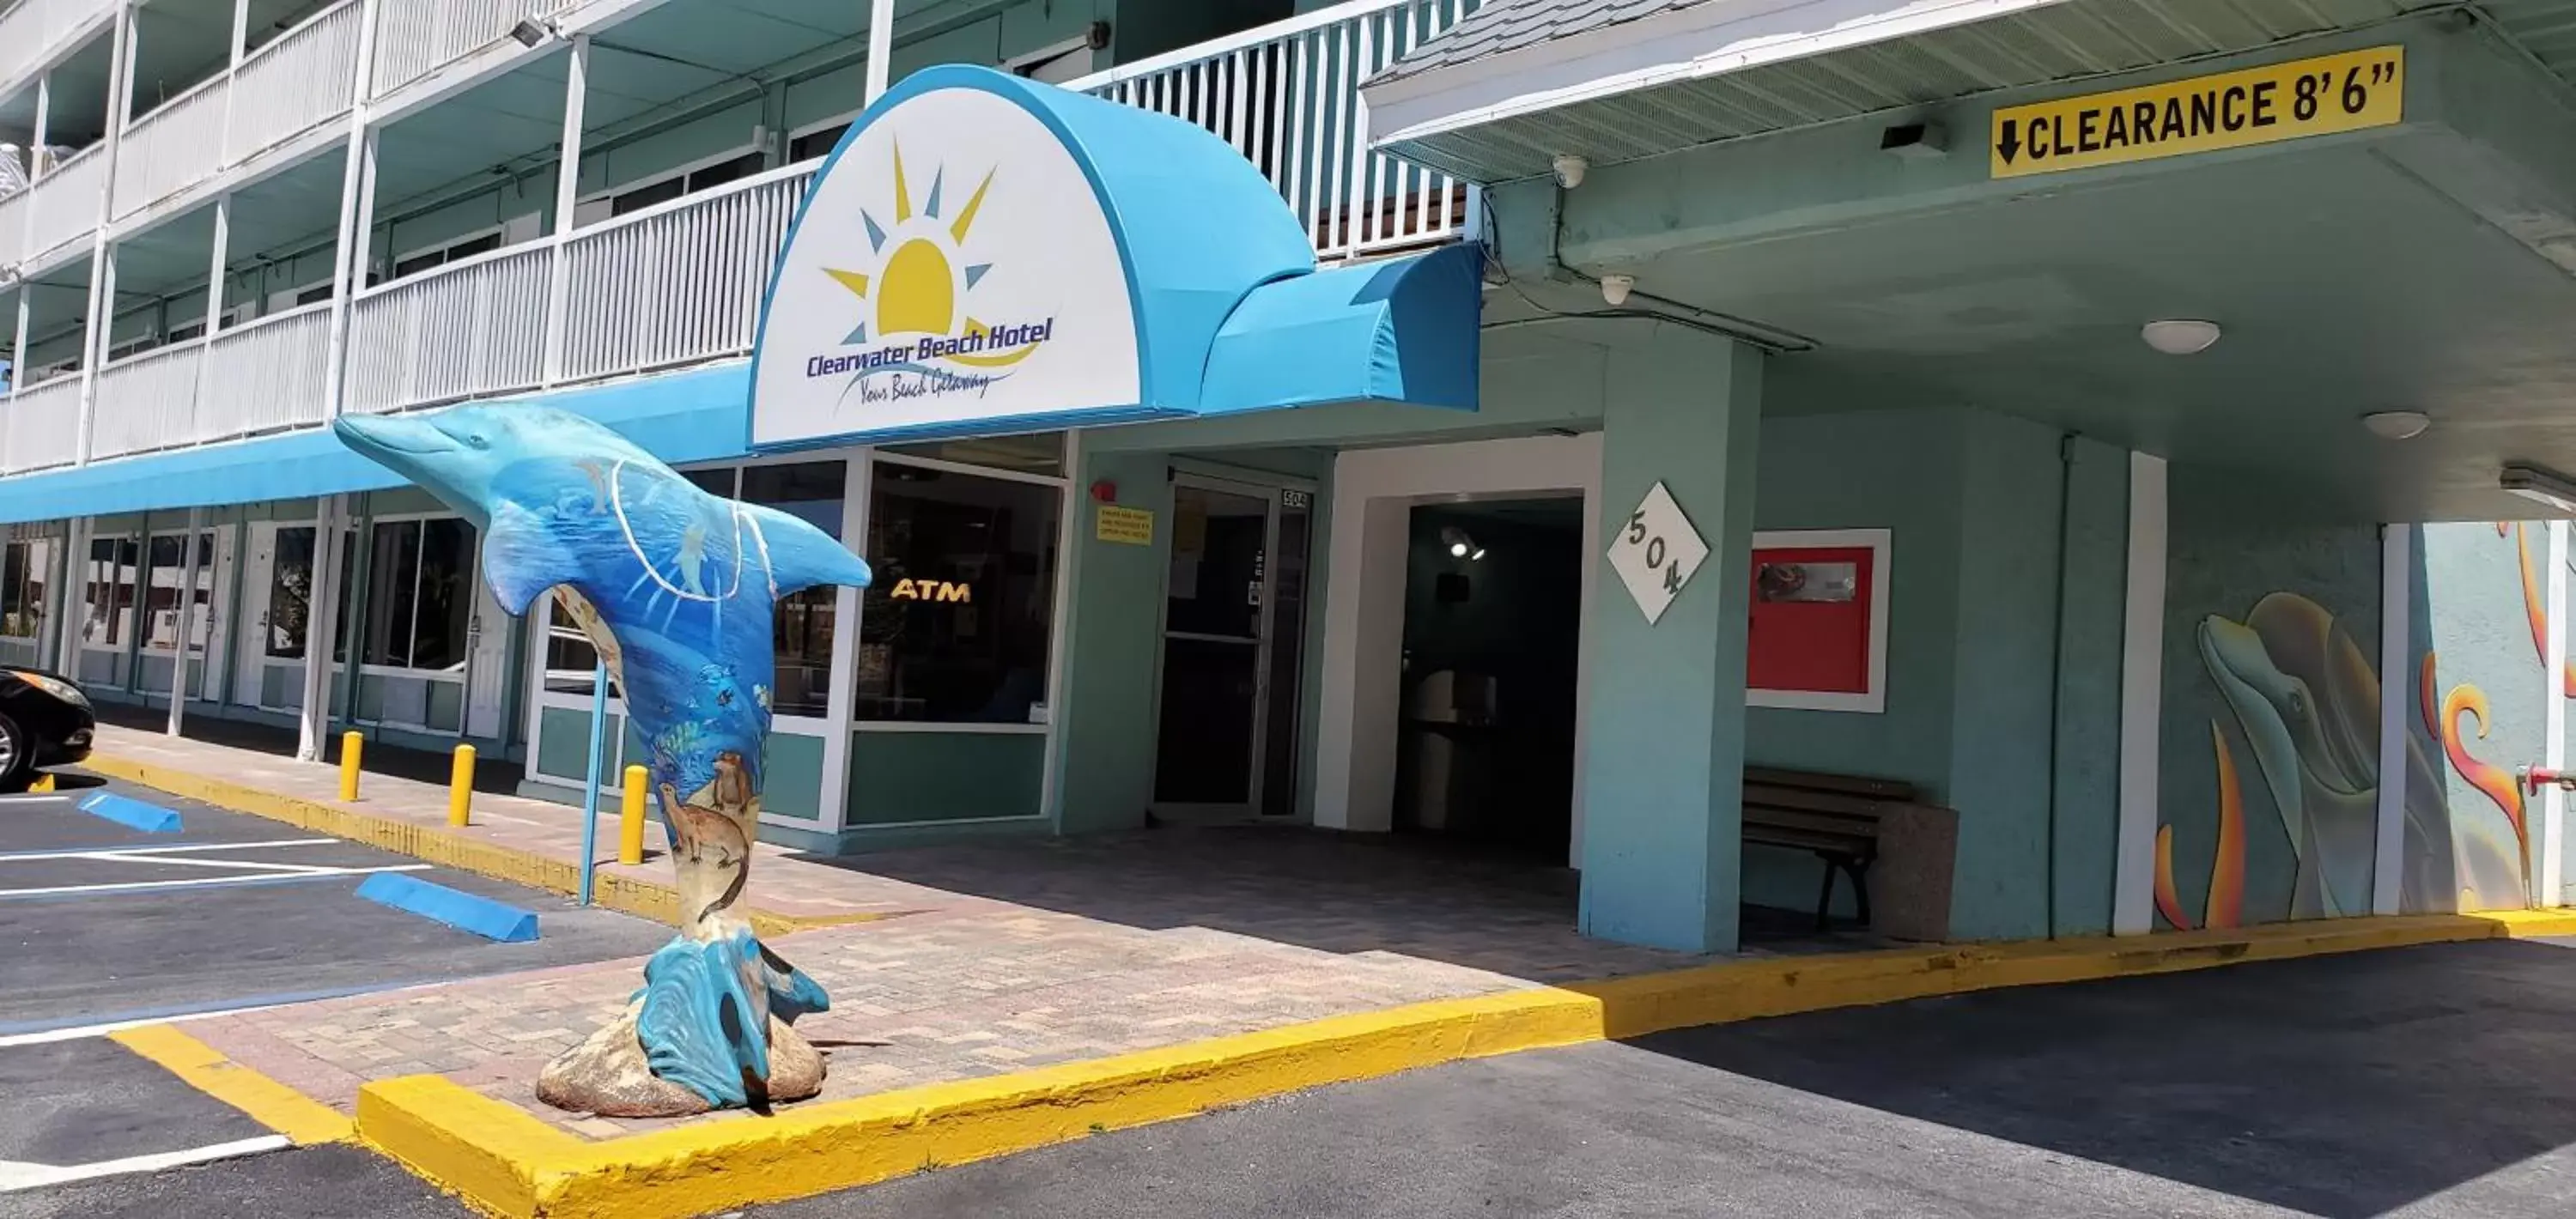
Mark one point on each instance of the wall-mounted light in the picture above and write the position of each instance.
(2548, 488)
(2397, 425)
(531, 34)
(2180, 336)
(1460, 545)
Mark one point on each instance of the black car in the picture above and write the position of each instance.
(44, 721)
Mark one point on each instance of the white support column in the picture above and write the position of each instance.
(2397, 709)
(841, 699)
(75, 580)
(880, 47)
(215, 286)
(2142, 656)
(356, 174)
(18, 346)
(567, 196)
(321, 627)
(102, 255)
(37, 163)
(188, 568)
(59, 599)
(2553, 808)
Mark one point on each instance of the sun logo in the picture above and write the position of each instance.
(919, 288)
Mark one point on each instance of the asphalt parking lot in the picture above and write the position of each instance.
(103, 926)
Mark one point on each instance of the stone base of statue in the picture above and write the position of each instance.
(608, 1075)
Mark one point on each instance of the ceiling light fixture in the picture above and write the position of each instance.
(2547, 488)
(1570, 170)
(1460, 545)
(2397, 425)
(1615, 289)
(2180, 336)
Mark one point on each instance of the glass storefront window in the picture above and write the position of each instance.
(420, 594)
(290, 593)
(23, 575)
(957, 623)
(168, 556)
(571, 662)
(108, 595)
(813, 492)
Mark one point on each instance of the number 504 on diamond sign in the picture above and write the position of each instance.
(1656, 552)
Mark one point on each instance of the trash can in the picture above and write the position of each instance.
(1449, 729)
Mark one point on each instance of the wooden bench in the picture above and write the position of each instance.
(1837, 817)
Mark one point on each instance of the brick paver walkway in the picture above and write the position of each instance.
(997, 958)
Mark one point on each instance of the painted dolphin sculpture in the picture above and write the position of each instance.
(676, 589)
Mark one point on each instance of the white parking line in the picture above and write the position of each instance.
(89, 852)
(133, 886)
(190, 861)
(87, 1031)
(22, 1174)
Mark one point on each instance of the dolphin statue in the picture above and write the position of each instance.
(676, 588)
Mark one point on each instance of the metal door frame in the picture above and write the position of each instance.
(1270, 493)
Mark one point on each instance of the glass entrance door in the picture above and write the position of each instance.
(1233, 612)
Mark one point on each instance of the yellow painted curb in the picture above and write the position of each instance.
(270, 1103)
(437, 844)
(507, 1162)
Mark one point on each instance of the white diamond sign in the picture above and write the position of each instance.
(1657, 552)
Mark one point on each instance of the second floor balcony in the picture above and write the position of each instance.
(679, 283)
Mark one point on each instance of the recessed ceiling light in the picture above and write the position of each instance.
(2397, 425)
(2180, 336)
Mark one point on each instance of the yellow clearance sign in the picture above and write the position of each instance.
(2287, 101)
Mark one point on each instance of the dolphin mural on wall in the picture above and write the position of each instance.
(676, 588)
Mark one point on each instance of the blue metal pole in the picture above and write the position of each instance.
(590, 786)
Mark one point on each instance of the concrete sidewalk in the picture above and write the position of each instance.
(939, 984)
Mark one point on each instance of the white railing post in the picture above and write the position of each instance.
(38, 164)
(357, 171)
(880, 48)
(102, 255)
(567, 196)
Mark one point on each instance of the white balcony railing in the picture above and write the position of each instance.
(267, 376)
(13, 226)
(678, 283)
(682, 282)
(148, 401)
(30, 31)
(1286, 95)
(40, 426)
(180, 143)
(66, 201)
(303, 78)
(474, 328)
(417, 37)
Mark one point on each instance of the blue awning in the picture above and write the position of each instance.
(1403, 330)
(681, 418)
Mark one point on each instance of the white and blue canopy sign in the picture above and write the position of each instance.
(985, 253)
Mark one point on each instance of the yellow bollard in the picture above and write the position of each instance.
(351, 744)
(42, 785)
(460, 788)
(630, 818)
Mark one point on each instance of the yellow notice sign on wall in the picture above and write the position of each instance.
(2286, 101)
(1125, 526)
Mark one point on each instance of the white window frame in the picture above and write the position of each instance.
(474, 586)
(1049, 54)
(1873, 699)
(214, 591)
(441, 247)
(610, 192)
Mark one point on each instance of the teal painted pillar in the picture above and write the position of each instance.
(1113, 640)
(1664, 771)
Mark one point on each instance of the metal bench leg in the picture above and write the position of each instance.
(1860, 890)
(1825, 900)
